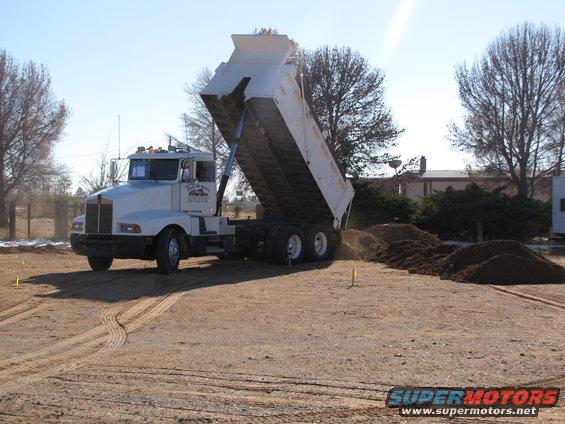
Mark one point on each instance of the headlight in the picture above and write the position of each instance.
(78, 226)
(130, 228)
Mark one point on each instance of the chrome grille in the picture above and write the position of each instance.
(98, 218)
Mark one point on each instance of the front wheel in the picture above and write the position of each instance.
(100, 263)
(168, 252)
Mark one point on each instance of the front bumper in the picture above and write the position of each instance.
(121, 247)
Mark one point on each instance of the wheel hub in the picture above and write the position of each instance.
(294, 246)
(174, 251)
(320, 243)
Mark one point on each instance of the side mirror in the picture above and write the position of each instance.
(185, 171)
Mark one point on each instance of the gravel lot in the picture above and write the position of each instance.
(245, 341)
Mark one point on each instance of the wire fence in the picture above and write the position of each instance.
(49, 219)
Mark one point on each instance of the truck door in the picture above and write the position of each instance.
(198, 187)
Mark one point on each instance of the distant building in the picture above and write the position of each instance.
(418, 185)
(439, 180)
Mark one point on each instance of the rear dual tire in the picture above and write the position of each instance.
(311, 242)
(289, 246)
(284, 245)
(318, 242)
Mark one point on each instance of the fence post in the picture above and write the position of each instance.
(64, 220)
(61, 220)
(29, 221)
(57, 212)
(12, 217)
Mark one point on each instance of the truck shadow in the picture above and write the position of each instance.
(130, 284)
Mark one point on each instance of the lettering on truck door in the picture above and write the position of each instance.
(198, 188)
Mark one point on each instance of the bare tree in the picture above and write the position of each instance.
(274, 31)
(347, 96)
(31, 122)
(267, 31)
(107, 173)
(201, 131)
(557, 128)
(511, 107)
(43, 183)
(199, 126)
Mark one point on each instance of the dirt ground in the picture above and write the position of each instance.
(245, 341)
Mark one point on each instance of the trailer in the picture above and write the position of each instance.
(170, 207)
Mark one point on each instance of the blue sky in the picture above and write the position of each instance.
(133, 57)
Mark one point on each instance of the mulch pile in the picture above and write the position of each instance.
(406, 247)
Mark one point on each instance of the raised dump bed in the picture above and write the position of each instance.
(282, 151)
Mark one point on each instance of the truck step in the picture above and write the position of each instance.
(212, 250)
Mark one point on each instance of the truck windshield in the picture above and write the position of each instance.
(153, 169)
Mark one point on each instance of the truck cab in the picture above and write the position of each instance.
(167, 192)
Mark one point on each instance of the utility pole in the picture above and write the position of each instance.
(119, 138)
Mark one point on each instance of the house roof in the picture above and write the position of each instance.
(445, 173)
(430, 174)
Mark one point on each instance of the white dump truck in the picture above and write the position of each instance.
(170, 207)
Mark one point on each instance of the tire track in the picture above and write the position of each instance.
(80, 342)
(118, 335)
(258, 395)
(372, 386)
(62, 290)
(271, 399)
(97, 331)
(64, 344)
(107, 411)
(72, 358)
(529, 296)
(32, 305)
(546, 382)
(26, 306)
(258, 389)
(24, 314)
(15, 309)
(95, 338)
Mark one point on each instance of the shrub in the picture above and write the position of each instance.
(455, 214)
(372, 206)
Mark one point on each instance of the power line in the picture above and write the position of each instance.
(92, 154)
(119, 138)
(132, 146)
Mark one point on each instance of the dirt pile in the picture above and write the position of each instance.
(493, 262)
(390, 233)
(357, 244)
(502, 262)
(418, 257)
(406, 247)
